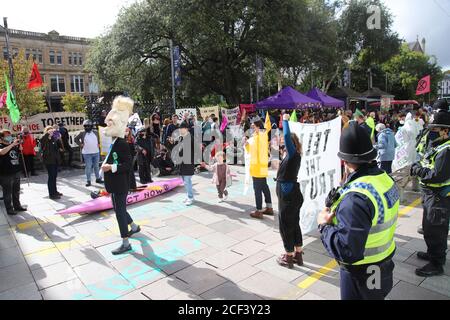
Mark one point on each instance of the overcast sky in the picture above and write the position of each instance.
(90, 18)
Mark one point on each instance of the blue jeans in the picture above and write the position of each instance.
(187, 180)
(92, 161)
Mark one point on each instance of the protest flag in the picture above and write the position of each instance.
(11, 103)
(293, 116)
(35, 78)
(224, 123)
(267, 124)
(424, 86)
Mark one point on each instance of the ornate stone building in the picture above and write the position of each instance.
(60, 61)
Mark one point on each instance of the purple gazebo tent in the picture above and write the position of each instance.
(288, 98)
(326, 100)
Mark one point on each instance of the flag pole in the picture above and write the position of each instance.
(11, 68)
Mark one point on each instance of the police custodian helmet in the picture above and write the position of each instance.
(440, 119)
(355, 145)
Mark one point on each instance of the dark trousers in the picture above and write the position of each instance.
(289, 217)
(29, 164)
(436, 212)
(119, 201)
(145, 174)
(260, 187)
(11, 190)
(52, 170)
(221, 189)
(386, 166)
(367, 285)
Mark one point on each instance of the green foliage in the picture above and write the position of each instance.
(30, 102)
(74, 103)
(407, 68)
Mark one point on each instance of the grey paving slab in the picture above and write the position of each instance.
(185, 295)
(10, 257)
(70, 290)
(238, 272)
(164, 288)
(90, 228)
(269, 237)
(440, 284)
(94, 272)
(259, 257)
(180, 222)
(242, 234)
(135, 295)
(52, 275)
(402, 254)
(202, 254)
(406, 291)
(15, 276)
(98, 240)
(229, 291)
(406, 272)
(218, 240)
(267, 286)
(110, 288)
(7, 241)
(327, 287)
(248, 247)
(43, 258)
(311, 296)
(416, 245)
(202, 217)
(162, 233)
(197, 231)
(26, 292)
(270, 266)
(224, 259)
(4, 229)
(80, 256)
(200, 277)
(31, 242)
(224, 226)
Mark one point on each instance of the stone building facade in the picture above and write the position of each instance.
(60, 61)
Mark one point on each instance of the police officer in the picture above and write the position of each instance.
(424, 143)
(357, 227)
(433, 171)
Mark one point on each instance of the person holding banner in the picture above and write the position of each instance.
(358, 224)
(290, 198)
(433, 171)
(258, 148)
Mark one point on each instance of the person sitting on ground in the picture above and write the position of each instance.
(164, 163)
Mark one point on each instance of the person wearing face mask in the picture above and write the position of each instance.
(358, 223)
(88, 141)
(10, 167)
(51, 147)
(433, 171)
(29, 152)
(144, 146)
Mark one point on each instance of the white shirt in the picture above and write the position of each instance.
(90, 143)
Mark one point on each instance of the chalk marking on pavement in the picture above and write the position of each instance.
(333, 264)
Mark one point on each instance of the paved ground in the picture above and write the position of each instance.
(207, 251)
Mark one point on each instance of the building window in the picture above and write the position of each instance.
(80, 59)
(59, 58)
(52, 57)
(57, 83)
(70, 58)
(39, 55)
(76, 84)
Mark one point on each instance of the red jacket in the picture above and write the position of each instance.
(28, 145)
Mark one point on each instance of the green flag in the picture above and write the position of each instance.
(358, 113)
(293, 117)
(11, 103)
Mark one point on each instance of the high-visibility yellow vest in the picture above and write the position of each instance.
(429, 162)
(384, 195)
(421, 147)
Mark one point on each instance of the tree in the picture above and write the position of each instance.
(74, 103)
(407, 68)
(218, 40)
(30, 102)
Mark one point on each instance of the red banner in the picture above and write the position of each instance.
(424, 86)
(35, 78)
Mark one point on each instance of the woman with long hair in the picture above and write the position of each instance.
(290, 198)
(51, 146)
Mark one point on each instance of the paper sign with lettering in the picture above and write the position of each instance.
(181, 112)
(231, 114)
(207, 111)
(37, 123)
(320, 169)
